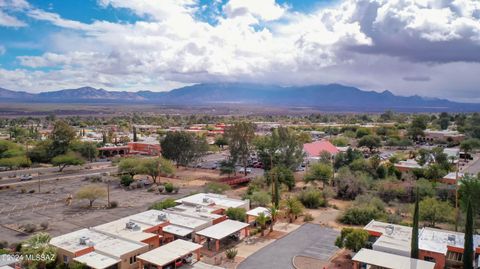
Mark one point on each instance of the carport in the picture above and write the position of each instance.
(222, 230)
(169, 253)
(377, 259)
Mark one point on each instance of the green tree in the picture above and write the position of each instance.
(15, 162)
(240, 138)
(352, 238)
(41, 152)
(38, 245)
(259, 198)
(319, 172)
(91, 193)
(221, 142)
(239, 214)
(370, 141)
(282, 148)
(154, 167)
(293, 208)
(433, 211)
(283, 175)
(414, 241)
(274, 213)
(129, 166)
(468, 242)
(418, 125)
(62, 135)
(67, 159)
(87, 150)
(183, 148)
(227, 167)
(469, 191)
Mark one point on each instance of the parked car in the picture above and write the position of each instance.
(242, 170)
(26, 177)
(175, 264)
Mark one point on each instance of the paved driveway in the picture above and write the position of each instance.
(309, 240)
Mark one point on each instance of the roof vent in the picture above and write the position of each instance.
(136, 227)
(162, 216)
(452, 238)
(389, 229)
(129, 225)
(198, 208)
(206, 200)
(83, 240)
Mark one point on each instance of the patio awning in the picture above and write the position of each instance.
(223, 229)
(392, 261)
(170, 252)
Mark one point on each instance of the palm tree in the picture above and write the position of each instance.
(274, 212)
(293, 208)
(38, 246)
(262, 221)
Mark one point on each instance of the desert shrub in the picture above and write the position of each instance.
(311, 198)
(29, 227)
(308, 217)
(160, 188)
(389, 190)
(176, 189)
(216, 187)
(3, 244)
(364, 209)
(167, 203)
(126, 180)
(350, 184)
(239, 214)
(231, 253)
(113, 204)
(44, 225)
(259, 198)
(169, 187)
(360, 215)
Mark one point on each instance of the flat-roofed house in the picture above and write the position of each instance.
(102, 250)
(443, 248)
(217, 201)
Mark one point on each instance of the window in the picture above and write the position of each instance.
(65, 259)
(429, 259)
(133, 259)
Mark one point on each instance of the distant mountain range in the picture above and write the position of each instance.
(332, 97)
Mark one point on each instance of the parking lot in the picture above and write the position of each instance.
(310, 240)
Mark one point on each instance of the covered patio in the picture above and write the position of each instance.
(221, 231)
(168, 256)
(97, 260)
(381, 260)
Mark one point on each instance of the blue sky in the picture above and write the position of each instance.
(407, 47)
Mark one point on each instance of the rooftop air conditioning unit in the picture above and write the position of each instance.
(198, 208)
(162, 216)
(83, 240)
(129, 225)
(136, 227)
(389, 229)
(452, 238)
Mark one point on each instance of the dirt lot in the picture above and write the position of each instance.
(49, 206)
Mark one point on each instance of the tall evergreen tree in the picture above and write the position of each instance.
(135, 138)
(468, 247)
(414, 246)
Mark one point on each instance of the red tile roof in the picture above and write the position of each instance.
(315, 148)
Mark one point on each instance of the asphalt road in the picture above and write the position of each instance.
(57, 175)
(310, 240)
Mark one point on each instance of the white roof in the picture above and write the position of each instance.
(437, 240)
(118, 228)
(97, 260)
(203, 212)
(100, 241)
(223, 229)
(453, 175)
(169, 252)
(210, 199)
(257, 210)
(6, 267)
(408, 164)
(390, 261)
(177, 230)
(395, 239)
